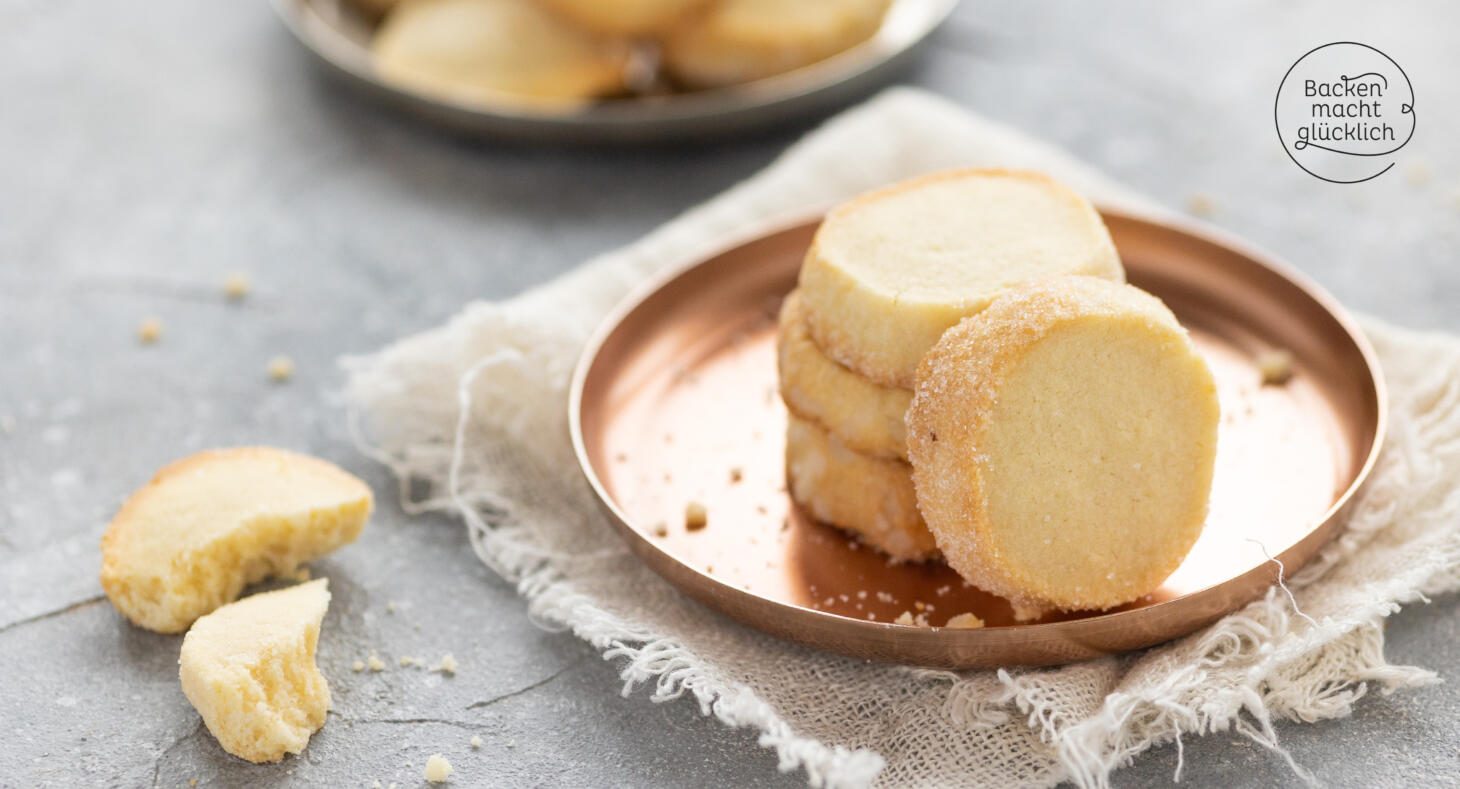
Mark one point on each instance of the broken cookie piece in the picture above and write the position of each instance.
(209, 525)
(248, 668)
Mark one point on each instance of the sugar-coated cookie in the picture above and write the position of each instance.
(870, 497)
(1063, 442)
(892, 270)
(866, 417)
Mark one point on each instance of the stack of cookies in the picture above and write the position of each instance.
(887, 274)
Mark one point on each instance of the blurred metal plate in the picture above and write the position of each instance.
(339, 36)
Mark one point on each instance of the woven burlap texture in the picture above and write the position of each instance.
(475, 412)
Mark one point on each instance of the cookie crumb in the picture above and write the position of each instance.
(696, 517)
(407, 662)
(910, 619)
(358, 666)
(1276, 366)
(390, 606)
(374, 663)
(736, 474)
(965, 622)
(447, 665)
(281, 369)
(476, 741)
(1417, 173)
(661, 529)
(236, 286)
(149, 331)
(1201, 205)
(438, 770)
(1028, 613)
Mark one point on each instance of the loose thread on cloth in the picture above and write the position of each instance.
(1282, 584)
(848, 723)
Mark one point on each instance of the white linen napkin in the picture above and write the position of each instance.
(476, 409)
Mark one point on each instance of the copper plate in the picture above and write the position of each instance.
(339, 36)
(675, 401)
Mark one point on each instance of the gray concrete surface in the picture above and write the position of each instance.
(146, 150)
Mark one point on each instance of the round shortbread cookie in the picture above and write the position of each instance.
(1063, 442)
(211, 524)
(866, 417)
(870, 497)
(624, 17)
(248, 669)
(496, 51)
(737, 41)
(892, 270)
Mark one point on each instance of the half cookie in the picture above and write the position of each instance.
(865, 416)
(209, 525)
(1063, 443)
(868, 496)
(892, 270)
